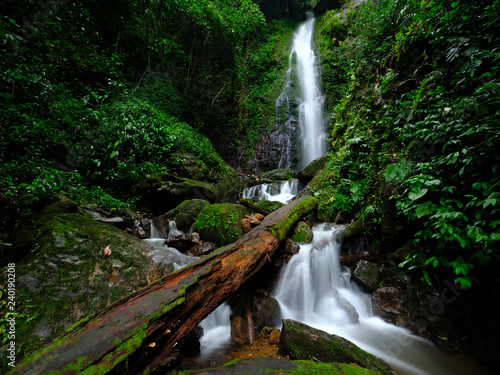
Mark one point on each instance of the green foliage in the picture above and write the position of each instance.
(418, 122)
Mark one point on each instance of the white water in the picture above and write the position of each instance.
(216, 331)
(311, 109)
(282, 192)
(317, 291)
(168, 254)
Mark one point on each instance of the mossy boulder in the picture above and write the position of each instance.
(164, 192)
(67, 276)
(269, 206)
(275, 366)
(186, 213)
(280, 174)
(228, 189)
(367, 274)
(307, 173)
(301, 233)
(220, 223)
(300, 341)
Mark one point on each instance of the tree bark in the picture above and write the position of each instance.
(135, 335)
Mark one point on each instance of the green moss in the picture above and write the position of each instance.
(220, 223)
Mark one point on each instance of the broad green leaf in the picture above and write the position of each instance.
(416, 194)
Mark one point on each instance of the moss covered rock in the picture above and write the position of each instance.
(270, 366)
(307, 173)
(280, 174)
(228, 189)
(367, 274)
(67, 275)
(186, 213)
(269, 206)
(161, 193)
(220, 223)
(299, 341)
(301, 233)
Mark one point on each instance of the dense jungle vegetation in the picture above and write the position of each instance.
(96, 96)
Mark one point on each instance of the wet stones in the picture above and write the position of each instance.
(251, 221)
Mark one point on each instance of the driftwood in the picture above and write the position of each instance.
(136, 334)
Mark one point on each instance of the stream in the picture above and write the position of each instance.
(313, 288)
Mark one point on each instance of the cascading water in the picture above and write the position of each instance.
(299, 135)
(311, 111)
(282, 192)
(168, 254)
(315, 290)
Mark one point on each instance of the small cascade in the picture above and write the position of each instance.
(166, 254)
(317, 291)
(172, 229)
(216, 331)
(282, 192)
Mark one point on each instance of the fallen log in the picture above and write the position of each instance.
(135, 334)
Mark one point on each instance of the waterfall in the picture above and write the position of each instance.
(311, 112)
(314, 289)
(282, 192)
(300, 119)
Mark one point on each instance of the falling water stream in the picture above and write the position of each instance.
(313, 287)
(317, 291)
(311, 111)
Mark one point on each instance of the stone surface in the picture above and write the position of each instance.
(186, 213)
(67, 276)
(228, 189)
(277, 366)
(299, 341)
(392, 304)
(280, 174)
(301, 233)
(306, 174)
(183, 242)
(220, 223)
(161, 193)
(367, 274)
(265, 311)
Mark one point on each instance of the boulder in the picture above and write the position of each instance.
(307, 173)
(183, 242)
(68, 276)
(280, 174)
(228, 189)
(202, 248)
(164, 192)
(301, 233)
(220, 223)
(275, 366)
(300, 341)
(265, 311)
(186, 213)
(393, 305)
(367, 274)
(269, 206)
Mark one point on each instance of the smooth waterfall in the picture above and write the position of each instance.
(311, 109)
(282, 192)
(314, 289)
(299, 135)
